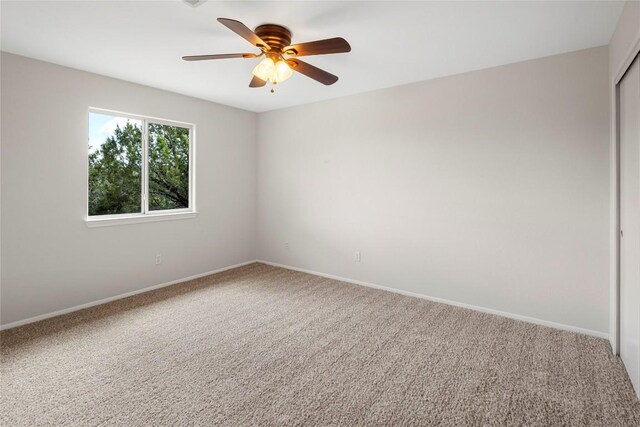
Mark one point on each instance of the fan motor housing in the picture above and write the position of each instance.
(276, 36)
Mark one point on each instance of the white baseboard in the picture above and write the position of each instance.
(316, 273)
(449, 302)
(117, 297)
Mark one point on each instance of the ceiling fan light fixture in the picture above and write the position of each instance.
(274, 71)
(265, 69)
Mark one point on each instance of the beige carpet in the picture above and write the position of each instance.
(261, 345)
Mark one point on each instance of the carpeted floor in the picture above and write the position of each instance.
(261, 345)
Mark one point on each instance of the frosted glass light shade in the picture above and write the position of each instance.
(282, 72)
(265, 69)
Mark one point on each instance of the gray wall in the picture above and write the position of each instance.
(489, 188)
(50, 259)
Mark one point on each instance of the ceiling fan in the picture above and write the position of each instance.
(281, 57)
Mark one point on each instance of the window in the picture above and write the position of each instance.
(139, 167)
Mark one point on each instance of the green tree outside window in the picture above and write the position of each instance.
(115, 169)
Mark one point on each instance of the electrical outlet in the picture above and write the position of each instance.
(158, 259)
(356, 256)
(286, 246)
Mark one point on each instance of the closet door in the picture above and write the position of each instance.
(629, 116)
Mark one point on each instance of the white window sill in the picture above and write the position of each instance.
(109, 221)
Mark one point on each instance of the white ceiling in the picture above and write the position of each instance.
(392, 43)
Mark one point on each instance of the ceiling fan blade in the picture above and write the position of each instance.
(219, 56)
(313, 72)
(257, 82)
(243, 31)
(319, 47)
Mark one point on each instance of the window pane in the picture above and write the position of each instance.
(168, 167)
(115, 173)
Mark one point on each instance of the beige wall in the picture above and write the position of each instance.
(50, 259)
(489, 188)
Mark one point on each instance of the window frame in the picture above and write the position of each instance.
(145, 215)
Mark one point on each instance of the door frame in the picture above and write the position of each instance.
(614, 225)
